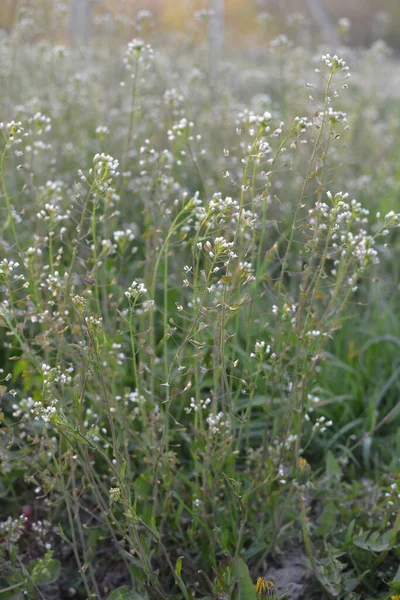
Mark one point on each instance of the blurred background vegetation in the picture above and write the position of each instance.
(246, 22)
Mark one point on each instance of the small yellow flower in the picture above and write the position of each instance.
(302, 463)
(265, 588)
(395, 597)
(303, 470)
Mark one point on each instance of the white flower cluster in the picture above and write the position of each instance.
(321, 425)
(53, 282)
(52, 212)
(344, 24)
(94, 322)
(107, 247)
(302, 123)
(393, 495)
(281, 41)
(143, 15)
(264, 148)
(24, 409)
(289, 312)
(220, 210)
(290, 440)
(219, 205)
(179, 128)
(8, 266)
(42, 528)
(120, 356)
(221, 247)
(361, 246)
(36, 148)
(133, 397)
(173, 97)
(137, 53)
(121, 236)
(55, 375)
(53, 190)
(340, 211)
(216, 423)
(336, 222)
(196, 406)
(45, 412)
(13, 529)
(14, 132)
(115, 494)
(335, 63)
(246, 268)
(260, 350)
(136, 290)
(105, 169)
(146, 306)
(314, 399)
(335, 116)
(263, 119)
(102, 130)
(41, 123)
(315, 333)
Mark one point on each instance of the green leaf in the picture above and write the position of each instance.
(154, 526)
(333, 469)
(12, 592)
(395, 583)
(45, 571)
(329, 579)
(246, 589)
(329, 571)
(124, 593)
(178, 566)
(366, 451)
(349, 533)
(327, 519)
(373, 542)
(352, 582)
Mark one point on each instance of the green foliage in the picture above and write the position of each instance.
(44, 571)
(245, 588)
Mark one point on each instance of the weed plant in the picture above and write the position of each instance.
(200, 340)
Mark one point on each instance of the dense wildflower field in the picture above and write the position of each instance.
(199, 319)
